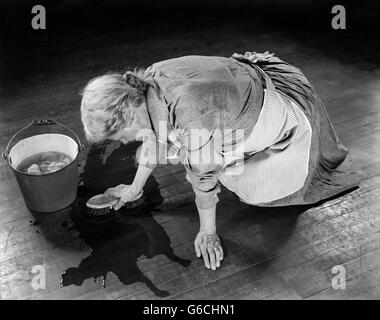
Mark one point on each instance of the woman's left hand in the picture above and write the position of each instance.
(208, 245)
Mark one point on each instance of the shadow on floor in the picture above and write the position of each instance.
(264, 231)
(255, 228)
(117, 241)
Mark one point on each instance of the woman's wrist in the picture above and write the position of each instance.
(135, 189)
(207, 230)
(207, 219)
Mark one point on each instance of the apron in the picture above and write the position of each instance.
(276, 153)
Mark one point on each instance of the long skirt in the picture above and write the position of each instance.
(326, 154)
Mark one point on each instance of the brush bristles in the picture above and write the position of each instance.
(99, 212)
(134, 204)
(105, 211)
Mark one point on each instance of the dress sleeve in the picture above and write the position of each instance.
(202, 166)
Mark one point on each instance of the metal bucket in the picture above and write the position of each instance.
(52, 191)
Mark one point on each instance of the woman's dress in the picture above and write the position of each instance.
(290, 149)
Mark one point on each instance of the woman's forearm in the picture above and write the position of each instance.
(142, 175)
(207, 219)
(147, 159)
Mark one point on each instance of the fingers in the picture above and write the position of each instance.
(218, 255)
(205, 257)
(197, 249)
(116, 191)
(221, 252)
(118, 205)
(108, 191)
(112, 192)
(212, 257)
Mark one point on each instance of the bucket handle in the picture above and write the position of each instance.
(39, 123)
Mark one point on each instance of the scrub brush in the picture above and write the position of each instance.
(101, 204)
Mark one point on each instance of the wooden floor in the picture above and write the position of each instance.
(271, 253)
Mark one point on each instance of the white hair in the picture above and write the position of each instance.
(106, 103)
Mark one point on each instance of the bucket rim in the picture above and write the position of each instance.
(46, 174)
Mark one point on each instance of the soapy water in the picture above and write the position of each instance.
(44, 163)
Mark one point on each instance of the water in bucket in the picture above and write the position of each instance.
(44, 162)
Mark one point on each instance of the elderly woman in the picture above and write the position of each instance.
(251, 122)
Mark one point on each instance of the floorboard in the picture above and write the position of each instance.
(271, 253)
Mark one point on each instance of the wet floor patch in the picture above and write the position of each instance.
(119, 239)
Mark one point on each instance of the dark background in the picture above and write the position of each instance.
(73, 17)
(74, 26)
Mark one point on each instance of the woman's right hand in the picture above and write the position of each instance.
(125, 193)
(208, 246)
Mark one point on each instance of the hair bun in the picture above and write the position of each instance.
(135, 82)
